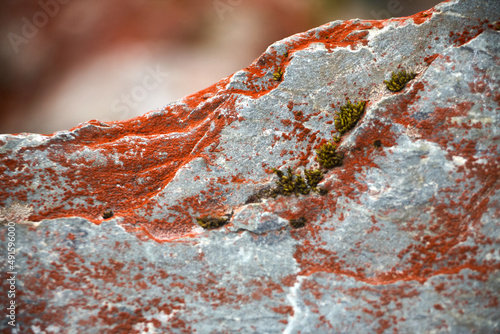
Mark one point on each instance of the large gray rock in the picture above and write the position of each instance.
(406, 239)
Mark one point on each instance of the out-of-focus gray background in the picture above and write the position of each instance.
(63, 62)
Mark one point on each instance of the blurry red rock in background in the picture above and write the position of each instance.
(63, 62)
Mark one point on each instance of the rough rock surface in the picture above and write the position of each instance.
(406, 240)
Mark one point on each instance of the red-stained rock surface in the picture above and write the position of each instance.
(406, 239)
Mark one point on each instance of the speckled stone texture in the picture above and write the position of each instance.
(407, 239)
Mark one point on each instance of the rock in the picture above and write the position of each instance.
(406, 239)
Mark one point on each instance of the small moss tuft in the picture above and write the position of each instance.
(107, 214)
(348, 116)
(313, 177)
(300, 185)
(290, 184)
(265, 192)
(399, 80)
(278, 74)
(298, 223)
(286, 184)
(209, 223)
(322, 191)
(328, 156)
(377, 143)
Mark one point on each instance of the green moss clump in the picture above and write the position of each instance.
(209, 223)
(298, 223)
(399, 80)
(286, 184)
(290, 183)
(107, 214)
(265, 192)
(278, 74)
(348, 116)
(300, 185)
(313, 177)
(322, 191)
(328, 156)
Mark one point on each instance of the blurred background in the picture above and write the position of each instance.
(63, 62)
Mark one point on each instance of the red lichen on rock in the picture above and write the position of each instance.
(131, 161)
(430, 59)
(468, 33)
(72, 272)
(284, 310)
(123, 166)
(439, 245)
